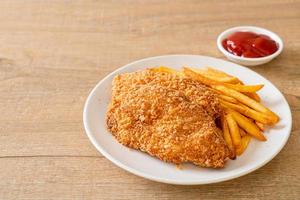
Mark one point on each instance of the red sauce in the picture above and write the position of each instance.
(250, 45)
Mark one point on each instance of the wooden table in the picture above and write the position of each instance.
(52, 53)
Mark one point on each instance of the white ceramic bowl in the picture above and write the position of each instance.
(249, 61)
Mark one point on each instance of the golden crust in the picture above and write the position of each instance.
(167, 116)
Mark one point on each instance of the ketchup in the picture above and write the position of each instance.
(250, 45)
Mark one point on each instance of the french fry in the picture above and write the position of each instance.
(198, 77)
(249, 112)
(217, 75)
(194, 74)
(260, 125)
(247, 101)
(252, 95)
(230, 79)
(227, 137)
(227, 98)
(244, 88)
(244, 144)
(242, 132)
(215, 91)
(247, 125)
(234, 130)
(166, 69)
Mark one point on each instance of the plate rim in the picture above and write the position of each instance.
(164, 180)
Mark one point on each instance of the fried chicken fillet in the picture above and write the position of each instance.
(167, 116)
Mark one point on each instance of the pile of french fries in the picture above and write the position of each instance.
(244, 117)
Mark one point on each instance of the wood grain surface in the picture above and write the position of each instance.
(52, 53)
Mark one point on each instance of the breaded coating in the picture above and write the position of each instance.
(167, 116)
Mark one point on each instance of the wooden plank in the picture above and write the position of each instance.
(92, 177)
(52, 53)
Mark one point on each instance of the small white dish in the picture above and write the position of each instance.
(249, 61)
(144, 165)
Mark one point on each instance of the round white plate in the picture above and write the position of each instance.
(141, 164)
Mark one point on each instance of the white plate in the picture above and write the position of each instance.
(141, 164)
